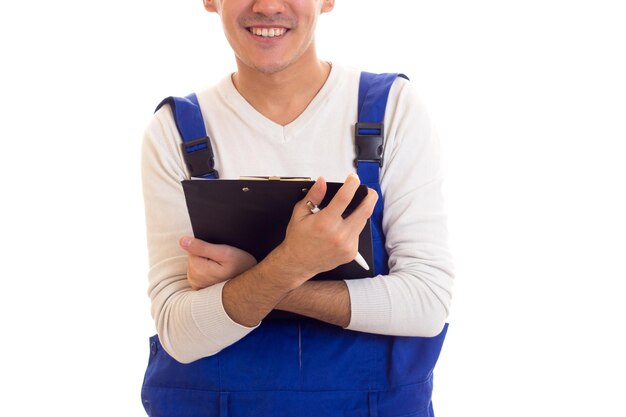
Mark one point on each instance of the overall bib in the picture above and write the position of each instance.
(300, 367)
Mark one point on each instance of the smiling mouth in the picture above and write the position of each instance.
(267, 32)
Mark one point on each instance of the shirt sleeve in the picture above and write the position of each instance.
(190, 324)
(414, 298)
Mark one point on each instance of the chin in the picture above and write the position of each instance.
(272, 67)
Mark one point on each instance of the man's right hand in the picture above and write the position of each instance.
(322, 241)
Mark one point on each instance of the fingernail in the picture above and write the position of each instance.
(185, 242)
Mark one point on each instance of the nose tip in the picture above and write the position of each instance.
(268, 7)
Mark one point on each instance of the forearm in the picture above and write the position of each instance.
(250, 296)
(328, 301)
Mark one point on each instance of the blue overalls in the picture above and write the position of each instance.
(300, 367)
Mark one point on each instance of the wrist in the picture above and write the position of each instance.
(286, 267)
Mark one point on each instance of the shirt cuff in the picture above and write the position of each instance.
(208, 313)
(370, 305)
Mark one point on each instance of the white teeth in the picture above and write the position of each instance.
(268, 33)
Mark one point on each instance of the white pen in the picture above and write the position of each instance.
(358, 258)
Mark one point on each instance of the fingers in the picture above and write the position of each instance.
(341, 200)
(344, 195)
(315, 196)
(364, 210)
(202, 272)
(356, 220)
(210, 263)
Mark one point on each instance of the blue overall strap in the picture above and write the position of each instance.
(369, 136)
(196, 145)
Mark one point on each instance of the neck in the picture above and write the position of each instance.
(282, 96)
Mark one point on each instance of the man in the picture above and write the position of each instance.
(364, 346)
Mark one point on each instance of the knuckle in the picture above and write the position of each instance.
(337, 242)
(324, 226)
(192, 278)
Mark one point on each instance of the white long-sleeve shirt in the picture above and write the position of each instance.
(412, 300)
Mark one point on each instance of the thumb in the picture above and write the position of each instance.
(195, 246)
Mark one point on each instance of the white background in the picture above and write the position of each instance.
(529, 98)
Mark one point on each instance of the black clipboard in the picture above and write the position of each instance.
(253, 215)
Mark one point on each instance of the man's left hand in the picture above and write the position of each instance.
(209, 264)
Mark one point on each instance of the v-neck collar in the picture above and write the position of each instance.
(267, 127)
